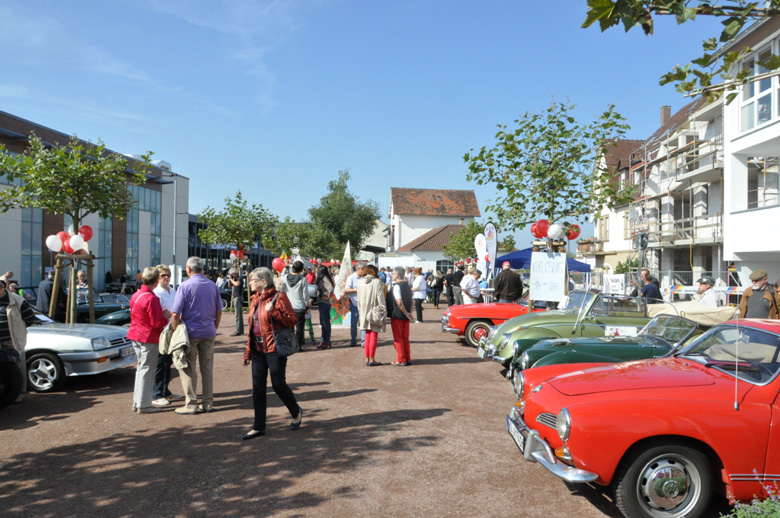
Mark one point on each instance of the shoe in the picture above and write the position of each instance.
(399, 364)
(251, 434)
(373, 364)
(161, 402)
(174, 397)
(149, 410)
(187, 410)
(236, 334)
(353, 344)
(296, 423)
(206, 408)
(319, 346)
(408, 362)
(324, 346)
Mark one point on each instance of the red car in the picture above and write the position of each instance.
(475, 320)
(664, 433)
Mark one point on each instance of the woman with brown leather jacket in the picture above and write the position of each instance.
(269, 311)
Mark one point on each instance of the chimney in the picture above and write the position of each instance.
(666, 114)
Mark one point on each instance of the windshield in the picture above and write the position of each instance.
(576, 301)
(673, 330)
(114, 298)
(747, 352)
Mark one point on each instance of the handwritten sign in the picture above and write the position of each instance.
(548, 276)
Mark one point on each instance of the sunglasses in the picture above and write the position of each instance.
(164, 275)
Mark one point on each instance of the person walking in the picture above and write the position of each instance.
(269, 312)
(146, 324)
(372, 310)
(294, 285)
(325, 285)
(166, 294)
(198, 305)
(509, 285)
(419, 292)
(758, 300)
(399, 304)
(236, 284)
(15, 317)
(351, 289)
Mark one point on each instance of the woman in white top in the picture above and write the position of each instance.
(419, 292)
(162, 375)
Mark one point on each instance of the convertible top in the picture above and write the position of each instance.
(693, 310)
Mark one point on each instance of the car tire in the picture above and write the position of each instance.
(10, 383)
(225, 304)
(647, 483)
(45, 372)
(475, 330)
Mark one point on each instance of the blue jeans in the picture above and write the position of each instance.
(324, 308)
(354, 322)
(238, 305)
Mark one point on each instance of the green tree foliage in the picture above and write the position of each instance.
(699, 73)
(78, 179)
(340, 218)
(238, 225)
(627, 266)
(461, 244)
(550, 166)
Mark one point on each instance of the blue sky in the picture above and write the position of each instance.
(275, 97)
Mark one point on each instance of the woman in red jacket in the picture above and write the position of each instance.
(267, 315)
(146, 323)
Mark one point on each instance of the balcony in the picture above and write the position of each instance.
(699, 230)
(590, 246)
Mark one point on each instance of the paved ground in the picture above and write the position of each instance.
(424, 440)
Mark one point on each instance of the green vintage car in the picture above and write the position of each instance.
(584, 313)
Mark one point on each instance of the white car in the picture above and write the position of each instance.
(55, 351)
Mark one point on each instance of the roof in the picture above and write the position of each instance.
(433, 240)
(433, 202)
(674, 121)
(619, 155)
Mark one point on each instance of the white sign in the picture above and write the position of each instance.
(480, 245)
(548, 276)
(615, 283)
(491, 239)
(620, 331)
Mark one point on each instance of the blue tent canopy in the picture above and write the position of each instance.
(521, 260)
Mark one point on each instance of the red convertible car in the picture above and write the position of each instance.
(473, 321)
(664, 433)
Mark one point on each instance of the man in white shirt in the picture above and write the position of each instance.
(707, 295)
(470, 287)
(162, 375)
(351, 289)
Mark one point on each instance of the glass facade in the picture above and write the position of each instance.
(149, 201)
(105, 240)
(32, 244)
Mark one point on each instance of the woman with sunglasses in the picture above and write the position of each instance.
(162, 374)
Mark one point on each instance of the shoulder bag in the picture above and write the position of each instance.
(285, 340)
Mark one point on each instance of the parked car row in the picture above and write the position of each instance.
(665, 404)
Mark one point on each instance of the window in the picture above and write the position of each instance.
(763, 182)
(757, 99)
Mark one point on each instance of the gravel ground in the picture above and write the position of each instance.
(424, 440)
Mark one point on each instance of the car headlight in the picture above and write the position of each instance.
(100, 343)
(518, 383)
(524, 360)
(563, 424)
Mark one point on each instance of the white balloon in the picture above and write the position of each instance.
(71, 231)
(76, 242)
(54, 243)
(555, 231)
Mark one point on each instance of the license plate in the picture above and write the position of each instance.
(515, 433)
(480, 352)
(127, 351)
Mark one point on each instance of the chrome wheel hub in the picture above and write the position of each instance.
(668, 484)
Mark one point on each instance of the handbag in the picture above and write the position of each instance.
(377, 315)
(285, 340)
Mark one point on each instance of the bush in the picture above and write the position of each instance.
(758, 508)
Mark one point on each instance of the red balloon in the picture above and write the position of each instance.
(277, 264)
(64, 237)
(468, 260)
(487, 257)
(66, 246)
(533, 230)
(574, 231)
(542, 226)
(85, 231)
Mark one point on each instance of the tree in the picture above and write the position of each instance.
(462, 242)
(238, 225)
(78, 179)
(340, 218)
(550, 166)
(697, 75)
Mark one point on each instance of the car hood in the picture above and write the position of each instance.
(661, 373)
(541, 318)
(81, 330)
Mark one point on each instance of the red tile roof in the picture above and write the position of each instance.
(434, 202)
(618, 156)
(433, 240)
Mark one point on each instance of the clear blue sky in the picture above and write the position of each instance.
(275, 97)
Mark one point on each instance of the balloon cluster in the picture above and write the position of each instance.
(71, 242)
(543, 228)
(236, 254)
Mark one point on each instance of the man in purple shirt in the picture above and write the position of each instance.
(199, 306)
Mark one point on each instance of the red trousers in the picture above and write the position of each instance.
(369, 345)
(401, 339)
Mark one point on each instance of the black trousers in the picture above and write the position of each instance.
(262, 363)
(418, 305)
(300, 314)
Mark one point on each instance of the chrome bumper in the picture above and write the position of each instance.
(488, 353)
(96, 362)
(536, 449)
(445, 326)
